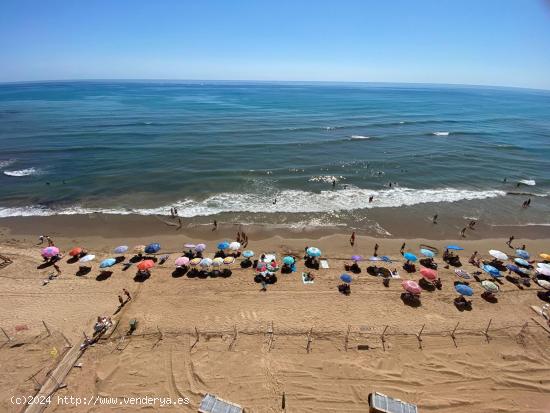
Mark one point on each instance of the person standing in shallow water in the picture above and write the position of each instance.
(463, 232)
(434, 219)
(352, 239)
(376, 250)
(215, 225)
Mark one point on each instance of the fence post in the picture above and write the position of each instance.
(418, 336)
(453, 334)
(309, 340)
(383, 338)
(47, 329)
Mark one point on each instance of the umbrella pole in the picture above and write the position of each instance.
(419, 338)
(486, 332)
(453, 334)
(383, 338)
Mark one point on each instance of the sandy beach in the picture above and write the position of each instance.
(323, 350)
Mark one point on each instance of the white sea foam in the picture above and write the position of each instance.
(441, 133)
(6, 162)
(23, 172)
(359, 137)
(530, 182)
(288, 201)
(325, 178)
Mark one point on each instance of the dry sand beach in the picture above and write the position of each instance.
(322, 350)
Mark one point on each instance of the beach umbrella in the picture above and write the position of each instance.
(109, 262)
(235, 246)
(427, 253)
(223, 245)
(313, 252)
(75, 251)
(49, 252)
(410, 257)
(87, 258)
(522, 254)
(545, 257)
(205, 262)
(146, 265)
(272, 266)
(139, 248)
(216, 262)
(411, 287)
(543, 271)
(464, 289)
(462, 274)
(189, 245)
(152, 248)
(261, 266)
(195, 261)
(356, 258)
(182, 261)
(121, 249)
(499, 255)
(512, 267)
(454, 247)
(522, 262)
(490, 286)
(228, 260)
(544, 284)
(248, 254)
(200, 247)
(492, 271)
(288, 260)
(346, 278)
(428, 274)
(543, 265)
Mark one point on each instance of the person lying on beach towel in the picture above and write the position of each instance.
(308, 278)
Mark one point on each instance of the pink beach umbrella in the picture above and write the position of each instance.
(49, 252)
(182, 261)
(428, 274)
(411, 287)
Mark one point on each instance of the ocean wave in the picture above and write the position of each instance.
(23, 172)
(6, 162)
(288, 201)
(441, 133)
(359, 137)
(326, 178)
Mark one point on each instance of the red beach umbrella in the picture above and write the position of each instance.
(145, 265)
(428, 274)
(75, 251)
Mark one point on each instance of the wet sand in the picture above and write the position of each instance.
(236, 356)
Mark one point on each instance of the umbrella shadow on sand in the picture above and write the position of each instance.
(45, 264)
(142, 276)
(544, 296)
(72, 260)
(103, 275)
(180, 272)
(83, 271)
(410, 300)
(515, 281)
(490, 298)
(426, 285)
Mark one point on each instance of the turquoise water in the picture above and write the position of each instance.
(211, 148)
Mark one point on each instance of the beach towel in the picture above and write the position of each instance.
(395, 275)
(304, 275)
(463, 274)
(324, 264)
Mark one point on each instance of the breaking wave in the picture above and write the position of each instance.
(23, 172)
(288, 201)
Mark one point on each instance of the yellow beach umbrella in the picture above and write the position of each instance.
(545, 257)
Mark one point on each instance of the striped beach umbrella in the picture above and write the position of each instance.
(411, 287)
(195, 261)
(490, 286)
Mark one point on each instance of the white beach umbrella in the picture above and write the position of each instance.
(499, 255)
(235, 246)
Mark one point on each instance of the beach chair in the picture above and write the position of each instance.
(380, 403)
(213, 404)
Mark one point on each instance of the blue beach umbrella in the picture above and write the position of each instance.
(522, 254)
(223, 245)
(152, 248)
(313, 252)
(454, 247)
(121, 249)
(492, 271)
(385, 258)
(109, 262)
(464, 289)
(522, 262)
(288, 260)
(410, 257)
(427, 253)
(346, 278)
(248, 253)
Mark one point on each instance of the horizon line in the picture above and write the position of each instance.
(270, 81)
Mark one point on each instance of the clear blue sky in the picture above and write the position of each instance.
(494, 42)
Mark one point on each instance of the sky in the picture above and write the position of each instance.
(481, 42)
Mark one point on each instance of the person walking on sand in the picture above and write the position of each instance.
(120, 300)
(352, 239)
(463, 232)
(376, 250)
(402, 249)
(127, 294)
(215, 227)
(434, 219)
(509, 242)
(472, 224)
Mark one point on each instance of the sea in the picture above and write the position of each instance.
(281, 153)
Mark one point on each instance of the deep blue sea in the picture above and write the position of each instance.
(287, 148)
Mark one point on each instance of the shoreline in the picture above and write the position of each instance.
(394, 226)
